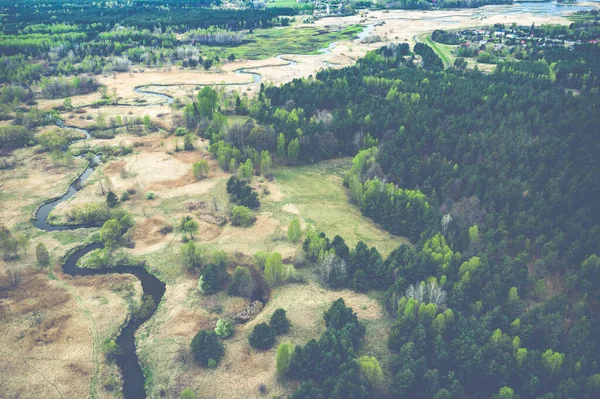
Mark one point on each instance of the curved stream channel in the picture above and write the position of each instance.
(127, 361)
(257, 78)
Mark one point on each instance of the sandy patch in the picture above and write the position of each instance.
(291, 208)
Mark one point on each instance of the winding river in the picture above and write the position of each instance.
(256, 78)
(127, 361)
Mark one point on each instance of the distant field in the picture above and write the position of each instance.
(285, 3)
(266, 43)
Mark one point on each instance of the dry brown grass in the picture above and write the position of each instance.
(32, 181)
(51, 331)
(242, 369)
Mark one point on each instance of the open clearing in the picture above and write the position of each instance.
(317, 195)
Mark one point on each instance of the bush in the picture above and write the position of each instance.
(200, 169)
(224, 328)
(125, 196)
(370, 368)
(180, 132)
(42, 255)
(150, 196)
(279, 322)
(88, 213)
(241, 283)
(206, 346)
(242, 194)
(282, 361)
(193, 255)
(262, 337)
(111, 349)
(111, 199)
(188, 142)
(294, 232)
(208, 283)
(242, 216)
(15, 136)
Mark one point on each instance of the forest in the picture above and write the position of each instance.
(495, 179)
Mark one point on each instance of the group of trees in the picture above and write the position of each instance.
(242, 194)
(328, 368)
(11, 245)
(430, 59)
(263, 335)
(360, 269)
(427, 5)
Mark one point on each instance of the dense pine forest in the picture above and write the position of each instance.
(495, 179)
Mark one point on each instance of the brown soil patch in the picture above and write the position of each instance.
(114, 168)
(146, 234)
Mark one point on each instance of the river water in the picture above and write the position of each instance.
(127, 361)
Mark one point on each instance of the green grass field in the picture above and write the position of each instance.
(444, 51)
(284, 3)
(266, 43)
(318, 193)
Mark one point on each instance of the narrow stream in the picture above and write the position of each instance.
(127, 361)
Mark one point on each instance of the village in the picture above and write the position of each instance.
(492, 43)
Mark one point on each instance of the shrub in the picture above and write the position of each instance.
(88, 213)
(279, 322)
(188, 142)
(200, 169)
(193, 255)
(370, 368)
(146, 308)
(241, 283)
(42, 255)
(125, 196)
(15, 136)
(206, 346)
(111, 199)
(294, 232)
(224, 328)
(111, 349)
(209, 280)
(180, 132)
(284, 355)
(262, 337)
(187, 394)
(150, 195)
(242, 194)
(242, 216)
